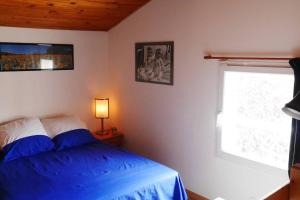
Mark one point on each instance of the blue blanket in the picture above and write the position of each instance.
(94, 171)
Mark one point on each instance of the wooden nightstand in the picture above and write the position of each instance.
(115, 139)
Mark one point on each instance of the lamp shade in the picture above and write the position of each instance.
(293, 107)
(102, 108)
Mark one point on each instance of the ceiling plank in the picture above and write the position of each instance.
(67, 14)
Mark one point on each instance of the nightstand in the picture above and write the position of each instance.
(115, 139)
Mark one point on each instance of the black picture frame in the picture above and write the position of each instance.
(154, 62)
(35, 56)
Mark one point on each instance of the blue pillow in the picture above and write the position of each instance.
(26, 146)
(72, 138)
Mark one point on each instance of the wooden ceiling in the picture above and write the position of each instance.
(98, 15)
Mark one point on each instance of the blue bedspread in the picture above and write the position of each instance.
(94, 171)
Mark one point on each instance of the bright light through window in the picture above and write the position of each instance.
(253, 125)
(46, 64)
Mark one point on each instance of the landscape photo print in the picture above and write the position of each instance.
(154, 62)
(32, 57)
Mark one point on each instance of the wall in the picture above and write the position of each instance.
(176, 124)
(43, 93)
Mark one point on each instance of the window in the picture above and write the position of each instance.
(253, 127)
(46, 64)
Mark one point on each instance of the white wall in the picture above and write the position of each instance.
(42, 93)
(176, 124)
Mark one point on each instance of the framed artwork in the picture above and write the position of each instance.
(34, 57)
(154, 62)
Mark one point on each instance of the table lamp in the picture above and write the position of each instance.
(102, 111)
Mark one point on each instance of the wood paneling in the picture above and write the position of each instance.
(67, 14)
(194, 196)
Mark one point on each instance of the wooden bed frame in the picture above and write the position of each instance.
(291, 191)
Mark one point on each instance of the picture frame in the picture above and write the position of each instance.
(35, 56)
(154, 62)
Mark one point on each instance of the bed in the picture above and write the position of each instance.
(92, 171)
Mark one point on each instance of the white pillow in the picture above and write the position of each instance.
(21, 128)
(56, 126)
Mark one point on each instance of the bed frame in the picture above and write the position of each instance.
(291, 191)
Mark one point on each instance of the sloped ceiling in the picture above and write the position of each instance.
(99, 15)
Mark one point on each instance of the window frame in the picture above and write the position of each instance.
(234, 158)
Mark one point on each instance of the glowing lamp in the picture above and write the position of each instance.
(102, 111)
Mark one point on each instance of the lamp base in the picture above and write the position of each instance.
(102, 131)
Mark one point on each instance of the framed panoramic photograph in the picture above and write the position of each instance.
(154, 62)
(32, 57)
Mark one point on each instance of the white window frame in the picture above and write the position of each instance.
(230, 157)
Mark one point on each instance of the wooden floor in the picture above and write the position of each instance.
(282, 194)
(194, 196)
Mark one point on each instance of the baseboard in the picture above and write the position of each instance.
(194, 196)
